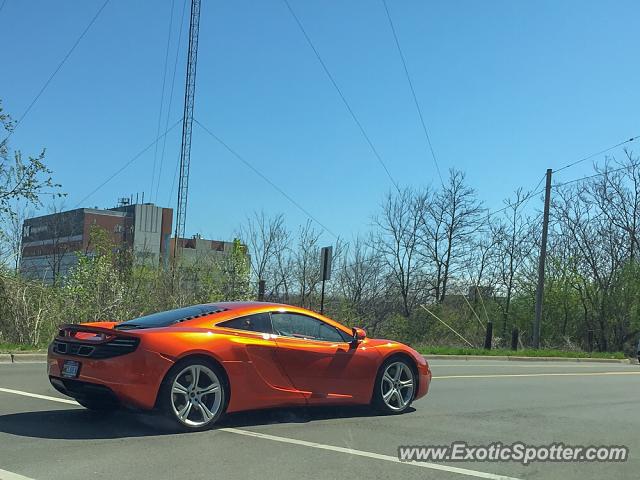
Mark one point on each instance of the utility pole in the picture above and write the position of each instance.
(541, 260)
(187, 121)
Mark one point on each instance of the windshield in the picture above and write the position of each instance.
(164, 319)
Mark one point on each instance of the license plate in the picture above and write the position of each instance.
(70, 369)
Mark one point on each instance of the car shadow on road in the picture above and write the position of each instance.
(298, 415)
(81, 424)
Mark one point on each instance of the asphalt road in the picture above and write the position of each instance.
(479, 402)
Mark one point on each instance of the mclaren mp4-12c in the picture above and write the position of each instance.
(195, 363)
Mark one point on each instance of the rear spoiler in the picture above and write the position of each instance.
(68, 331)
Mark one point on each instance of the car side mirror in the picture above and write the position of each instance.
(358, 335)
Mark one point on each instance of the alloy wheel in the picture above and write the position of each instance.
(196, 395)
(397, 386)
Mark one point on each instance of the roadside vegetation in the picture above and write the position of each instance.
(19, 348)
(435, 266)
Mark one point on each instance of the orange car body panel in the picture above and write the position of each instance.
(263, 370)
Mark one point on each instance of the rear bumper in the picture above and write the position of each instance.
(424, 380)
(81, 390)
(132, 379)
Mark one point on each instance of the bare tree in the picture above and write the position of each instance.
(306, 263)
(397, 242)
(11, 235)
(617, 196)
(513, 235)
(479, 269)
(361, 282)
(452, 218)
(601, 231)
(264, 238)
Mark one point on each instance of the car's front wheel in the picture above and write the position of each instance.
(395, 386)
(194, 394)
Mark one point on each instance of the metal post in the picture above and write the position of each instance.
(326, 255)
(514, 338)
(488, 336)
(541, 260)
(322, 299)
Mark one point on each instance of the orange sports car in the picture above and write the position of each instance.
(195, 363)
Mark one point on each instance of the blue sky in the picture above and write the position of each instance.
(507, 89)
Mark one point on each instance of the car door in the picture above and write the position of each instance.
(320, 360)
(265, 377)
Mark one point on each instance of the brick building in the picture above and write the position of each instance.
(50, 243)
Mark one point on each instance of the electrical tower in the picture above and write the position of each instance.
(187, 123)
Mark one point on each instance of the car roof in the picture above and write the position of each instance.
(242, 305)
(232, 309)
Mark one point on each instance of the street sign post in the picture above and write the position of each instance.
(326, 256)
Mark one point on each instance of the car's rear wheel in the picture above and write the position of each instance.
(194, 394)
(395, 386)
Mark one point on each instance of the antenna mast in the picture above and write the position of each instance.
(187, 122)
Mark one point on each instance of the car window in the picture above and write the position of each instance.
(169, 317)
(302, 326)
(259, 322)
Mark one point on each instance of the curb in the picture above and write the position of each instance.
(507, 358)
(23, 357)
(29, 357)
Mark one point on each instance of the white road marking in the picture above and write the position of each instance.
(332, 448)
(532, 365)
(362, 453)
(35, 395)
(498, 375)
(5, 475)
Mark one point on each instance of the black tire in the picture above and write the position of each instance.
(171, 404)
(393, 406)
(98, 404)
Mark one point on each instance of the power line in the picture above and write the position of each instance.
(264, 177)
(597, 153)
(123, 167)
(173, 81)
(569, 182)
(55, 72)
(342, 97)
(534, 192)
(599, 174)
(164, 81)
(413, 92)
(522, 202)
(173, 183)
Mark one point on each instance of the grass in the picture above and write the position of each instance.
(518, 353)
(17, 347)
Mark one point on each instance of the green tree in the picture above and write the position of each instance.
(21, 179)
